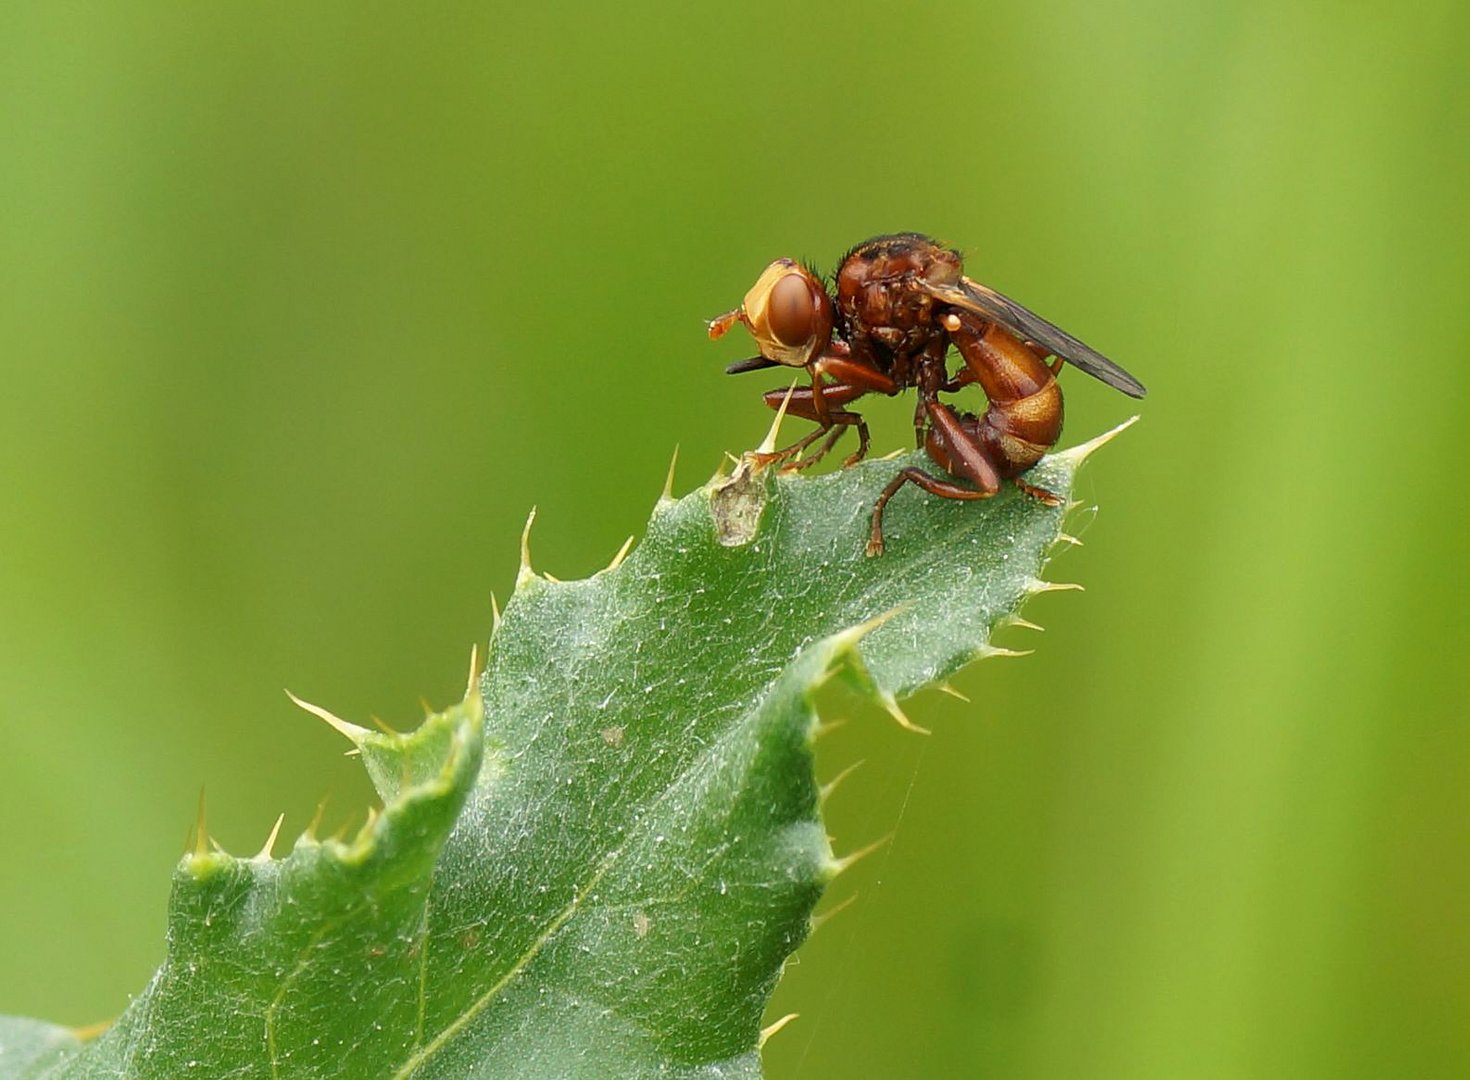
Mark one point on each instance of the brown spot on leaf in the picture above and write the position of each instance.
(737, 503)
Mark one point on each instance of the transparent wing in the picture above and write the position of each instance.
(1025, 323)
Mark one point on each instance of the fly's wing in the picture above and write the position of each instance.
(989, 304)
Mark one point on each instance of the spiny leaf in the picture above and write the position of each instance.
(28, 1048)
(597, 865)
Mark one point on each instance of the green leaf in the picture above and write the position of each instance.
(29, 1047)
(598, 863)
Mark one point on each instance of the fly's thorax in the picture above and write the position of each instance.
(880, 296)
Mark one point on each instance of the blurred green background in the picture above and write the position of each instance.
(304, 306)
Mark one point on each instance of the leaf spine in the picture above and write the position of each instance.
(264, 855)
(985, 652)
(667, 496)
(201, 830)
(617, 560)
(352, 732)
(851, 635)
(947, 688)
(1036, 585)
(839, 866)
(768, 444)
(525, 573)
(890, 703)
(472, 684)
(825, 791)
(1076, 455)
(816, 922)
(771, 1029)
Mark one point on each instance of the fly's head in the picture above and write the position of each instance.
(787, 311)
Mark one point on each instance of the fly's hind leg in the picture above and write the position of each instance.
(945, 489)
(953, 445)
(1040, 494)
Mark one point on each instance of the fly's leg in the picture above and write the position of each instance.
(833, 424)
(956, 448)
(795, 448)
(945, 489)
(1041, 495)
(822, 403)
(963, 378)
(840, 426)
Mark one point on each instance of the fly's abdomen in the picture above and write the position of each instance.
(1025, 429)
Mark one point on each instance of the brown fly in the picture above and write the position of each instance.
(899, 303)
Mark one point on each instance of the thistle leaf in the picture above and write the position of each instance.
(597, 864)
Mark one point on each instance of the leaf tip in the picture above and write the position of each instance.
(525, 573)
(1024, 624)
(771, 1029)
(472, 684)
(826, 727)
(848, 638)
(90, 1032)
(667, 496)
(985, 652)
(352, 732)
(201, 830)
(617, 560)
(1076, 455)
(316, 821)
(825, 791)
(768, 444)
(838, 866)
(264, 854)
(890, 704)
(948, 688)
(816, 922)
(1036, 585)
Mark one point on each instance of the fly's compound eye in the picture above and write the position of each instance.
(788, 313)
(791, 311)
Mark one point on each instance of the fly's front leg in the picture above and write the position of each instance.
(832, 422)
(855, 377)
(955, 447)
(822, 402)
